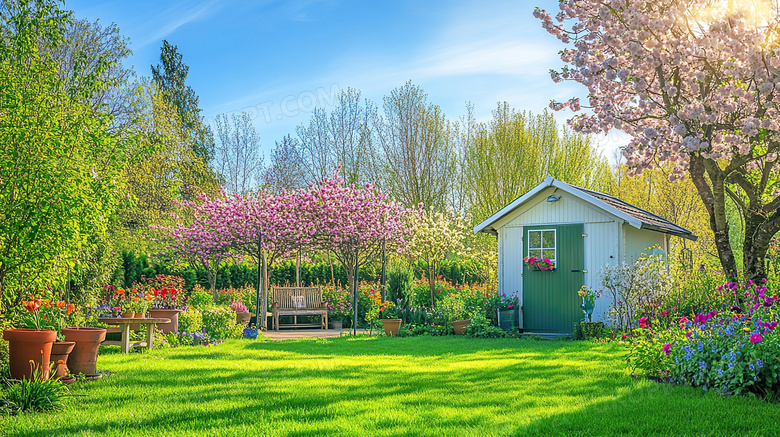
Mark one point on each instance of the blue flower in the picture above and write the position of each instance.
(704, 387)
(751, 367)
(720, 372)
(702, 365)
(759, 363)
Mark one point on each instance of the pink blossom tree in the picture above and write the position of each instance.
(352, 222)
(266, 228)
(694, 82)
(202, 235)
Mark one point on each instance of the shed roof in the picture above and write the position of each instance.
(636, 217)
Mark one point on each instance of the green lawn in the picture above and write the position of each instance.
(442, 386)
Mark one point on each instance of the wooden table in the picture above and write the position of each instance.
(126, 344)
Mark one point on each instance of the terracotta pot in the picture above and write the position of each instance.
(83, 358)
(166, 328)
(59, 352)
(337, 325)
(139, 316)
(459, 326)
(242, 317)
(128, 314)
(29, 349)
(391, 326)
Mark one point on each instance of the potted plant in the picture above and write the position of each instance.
(392, 316)
(534, 263)
(57, 315)
(589, 297)
(340, 310)
(29, 348)
(120, 301)
(167, 304)
(242, 312)
(508, 312)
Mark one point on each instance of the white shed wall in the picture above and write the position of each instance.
(637, 241)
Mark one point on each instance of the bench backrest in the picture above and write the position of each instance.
(291, 298)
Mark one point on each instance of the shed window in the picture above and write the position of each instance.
(541, 244)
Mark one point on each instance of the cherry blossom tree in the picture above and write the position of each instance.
(352, 222)
(202, 234)
(695, 83)
(266, 228)
(433, 235)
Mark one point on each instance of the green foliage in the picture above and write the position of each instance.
(190, 320)
(219, 322)
(480, 326)
(200, 297)
(61, 170)
(400, 280)
(36, 394)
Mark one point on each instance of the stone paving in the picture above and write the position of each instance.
(291, 334)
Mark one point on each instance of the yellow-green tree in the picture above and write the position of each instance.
(513, 152)
(677, 202)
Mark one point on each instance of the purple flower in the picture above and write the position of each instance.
(667, 348)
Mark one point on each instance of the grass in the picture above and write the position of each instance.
(437, 386)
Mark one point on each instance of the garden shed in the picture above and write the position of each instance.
(580, 231)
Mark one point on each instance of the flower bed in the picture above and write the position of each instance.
(733, 351)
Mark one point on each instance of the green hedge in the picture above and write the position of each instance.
(318, 272)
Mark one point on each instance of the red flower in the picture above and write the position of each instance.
(70, 309)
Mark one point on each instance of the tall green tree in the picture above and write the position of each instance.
(515, 151)
(61, 170)
(170, 76)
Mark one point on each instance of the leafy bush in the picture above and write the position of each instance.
(36, 394)
(190, 320)
(220, 323)
(200, 297)
(182, 338)
(733, 352)
(480, 326)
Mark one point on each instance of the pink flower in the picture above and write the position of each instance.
(643, 322)
(667, 348)
(756, 338)
(664, 313)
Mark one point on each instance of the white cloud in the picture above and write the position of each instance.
(181, 17)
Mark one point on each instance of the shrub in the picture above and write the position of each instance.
(190, 320)
(400, 280)
(732, 352)
(220, 323)
(200, 297)
(480, 326)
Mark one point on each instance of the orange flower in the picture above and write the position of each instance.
(61, 305)
(71, 307)
(136, 299)
(32, 305)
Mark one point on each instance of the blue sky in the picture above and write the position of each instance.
(278, 59)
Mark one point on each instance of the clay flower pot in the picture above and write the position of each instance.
(29, 350)
(128, 314)
(172, 314)
(391, 326)
(83, 358)
(242, 317)
(59, 352)
(459, 326)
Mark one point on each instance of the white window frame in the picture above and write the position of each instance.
(541, 247)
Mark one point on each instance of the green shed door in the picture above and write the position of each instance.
(550, 301)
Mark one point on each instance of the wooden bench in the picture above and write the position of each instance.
(298, 301)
